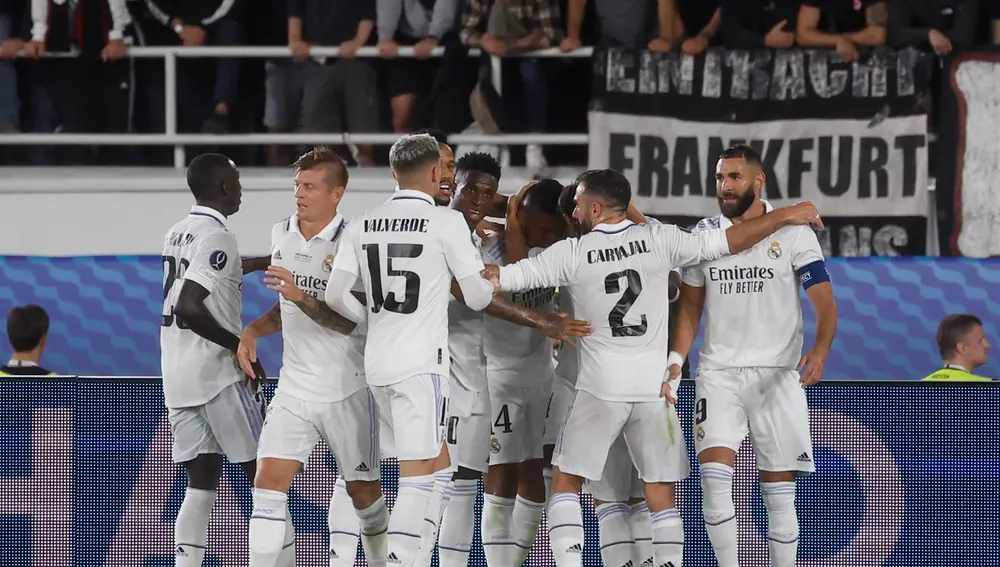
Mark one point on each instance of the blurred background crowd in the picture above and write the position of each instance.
(103, 90)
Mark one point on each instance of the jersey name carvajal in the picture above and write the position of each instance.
(318, 364)
(517, 355)
(618, 275)
(200, 249)
(752, 301)
(407, 252)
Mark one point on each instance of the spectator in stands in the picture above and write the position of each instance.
(842, 24)
(337, 91)
(282, 88)
(422, 24)
(652, 24)
(502, 27)
(196, 23)
(963, 347)
(10, 107)
(700, 21)
(27, 330)
(938, 24)
(752, 24)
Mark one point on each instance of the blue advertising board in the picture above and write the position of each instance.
(106, 312)
(906, 475)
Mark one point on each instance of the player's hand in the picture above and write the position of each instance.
(299, 49)
(485, 227)
(778, 38)
(669, 388)
(570, 44)
(282, 281)
(514, 203)
(424, 48)
(349, 49)
(34, 49)
(192, 36)
(492, 273)
(803, 213)
(246, 352)
(694, 45)
(9, 48)
(114, 50)
(388, 49)
(813, 362)
(560, 327)
(939, 42)
(661, 45)
(493, 45)
(847, 50)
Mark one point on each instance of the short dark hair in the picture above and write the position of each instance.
(567, 199)
(323, 156)
(26, 326)
(609, 184)
(543, 196)
(412, 152)
(481, 162)
(952, 329)
(441, 137)
(206, 173)
(742, 151)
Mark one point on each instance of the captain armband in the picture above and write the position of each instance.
(812, 274)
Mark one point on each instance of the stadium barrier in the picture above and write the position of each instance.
(906, 475)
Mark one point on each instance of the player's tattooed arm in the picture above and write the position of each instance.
(555, 325)
(268, 323)
(324, 316)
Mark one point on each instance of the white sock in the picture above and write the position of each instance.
(566, 529)
(457, 525)
(287, 556)
(435, 507)
(407, 519)
(615, 535)
(720, 512)
(547, 479)
(498, 514)
(374, 522)
(267, 527)
(343, 525)
(782, 522)
(525, 520)
(668, 537)
(641, 527)
(191, 527)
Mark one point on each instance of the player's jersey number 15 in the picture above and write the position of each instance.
(388, 301)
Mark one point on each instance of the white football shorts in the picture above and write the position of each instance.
(518, 421)
(413, 411)
(229, 424)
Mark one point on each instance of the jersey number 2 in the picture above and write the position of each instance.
(616, 319)
(173, 270)
(389, 301)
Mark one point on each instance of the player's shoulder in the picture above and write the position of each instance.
(708, 223)
(280, 229)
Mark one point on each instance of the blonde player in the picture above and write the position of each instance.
(212, 410)
(748, 379)
(407, 252)
(618, 275)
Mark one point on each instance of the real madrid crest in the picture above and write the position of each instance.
(700, 433)
(494, 445)
(328, 263)
(774, 252)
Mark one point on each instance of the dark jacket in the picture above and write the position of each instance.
(85, 25)
(911, 20)
(195, 12)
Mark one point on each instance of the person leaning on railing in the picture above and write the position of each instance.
(963, 347)
(27, 330)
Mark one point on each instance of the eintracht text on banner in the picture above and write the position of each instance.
(851, 137)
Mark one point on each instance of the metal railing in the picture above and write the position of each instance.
(171, 137)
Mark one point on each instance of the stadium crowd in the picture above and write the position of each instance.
(103, 90)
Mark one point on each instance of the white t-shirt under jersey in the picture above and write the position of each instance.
(618, 278)
(465, 342)
(407, 251)
(318, 364)
(516, 355)
(752, 301)
(201, 249)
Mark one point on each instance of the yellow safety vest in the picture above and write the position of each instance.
(954, 375)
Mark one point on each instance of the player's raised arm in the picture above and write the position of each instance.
(810, 267)
(555, 266)
(343, 276)
(212, 260)
(466, 264)
(553, 325)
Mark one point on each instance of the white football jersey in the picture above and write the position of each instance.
(465, 341)
(318, 364)
(199, 248)
(407, 252)
(568, 357)
(618, 277)
(752, 302)
(516, 355)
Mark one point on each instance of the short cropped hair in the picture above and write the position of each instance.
(742, 151)
(567, 199)
(608, 184)
(543, 196)
(26, 325)
(441, 137)
(412, 152)
(481, 162)
(323, 156)
(952, 330)
(206, 173)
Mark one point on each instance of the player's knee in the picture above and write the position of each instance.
(716, 488)
(467, 474)
(778, 497)
(276, 474)
(364, 493)
(204, 471)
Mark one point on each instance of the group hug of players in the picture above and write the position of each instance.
(422, 330)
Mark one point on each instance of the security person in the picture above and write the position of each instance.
(27, 329)
(963, 347)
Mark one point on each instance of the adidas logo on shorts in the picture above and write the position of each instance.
(333, 555)
(804, 458)
(577, 548)
(362, 468)
(392, 559)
